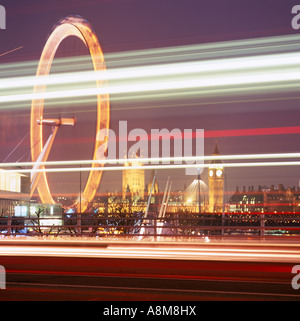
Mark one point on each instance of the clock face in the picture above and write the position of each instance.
(211, 173)
(219, 173)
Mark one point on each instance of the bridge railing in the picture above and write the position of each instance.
(173, 225)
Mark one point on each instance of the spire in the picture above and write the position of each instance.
(216, 150)
(128, 193)
(216, 153)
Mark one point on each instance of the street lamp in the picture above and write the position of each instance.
(199, 190)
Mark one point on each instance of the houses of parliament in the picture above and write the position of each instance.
(136, 191)
(264, 199)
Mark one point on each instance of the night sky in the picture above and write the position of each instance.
(125, 25)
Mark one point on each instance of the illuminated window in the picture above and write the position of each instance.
(21, 211)
(7, 181)
(13, 183)
(2, 181)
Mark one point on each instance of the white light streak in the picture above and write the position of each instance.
(214, 69)
(148, 167)
(166, 70)
(213, 83)
(155, 159)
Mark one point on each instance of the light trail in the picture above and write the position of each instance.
(148, 167)
(161, 159)
(266, 45)
(175, 253)
(210, 84)
(270, 64)
(224, 65)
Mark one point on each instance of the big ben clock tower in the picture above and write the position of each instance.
(216, 183)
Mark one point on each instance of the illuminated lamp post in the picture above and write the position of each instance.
(199, 191)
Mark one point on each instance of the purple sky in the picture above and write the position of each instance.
(123, 25)
(138, 24)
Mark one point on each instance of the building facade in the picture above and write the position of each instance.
(14, 191)
(133, 182)
(265, 200)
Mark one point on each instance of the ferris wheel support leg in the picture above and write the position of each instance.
(36, 173)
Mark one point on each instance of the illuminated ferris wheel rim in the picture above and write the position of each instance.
(80, 28)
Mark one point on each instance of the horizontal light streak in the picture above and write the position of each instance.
(262, 45)
(252, 132)
(212, 75)
(172, 249)
(176, 253)
(154, 159)
(188, 98)
(163, 85)
(243, 67)
(148, 167)
(158, 61)
(230, 64)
